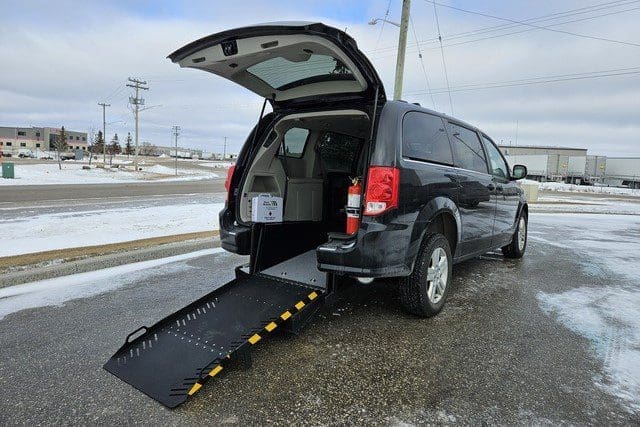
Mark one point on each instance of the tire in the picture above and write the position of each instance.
(518, 244)
(419, 294)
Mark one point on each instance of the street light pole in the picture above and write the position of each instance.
(402, 45)
(104, 132)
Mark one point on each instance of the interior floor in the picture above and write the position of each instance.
(302, 269)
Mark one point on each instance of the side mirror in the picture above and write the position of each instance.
(519, 172)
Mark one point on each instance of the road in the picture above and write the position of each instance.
(531, 341)
(39, 193)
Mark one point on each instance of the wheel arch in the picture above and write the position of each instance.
(439, 215)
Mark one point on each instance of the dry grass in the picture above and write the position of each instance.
(72, 254)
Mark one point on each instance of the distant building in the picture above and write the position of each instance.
(574, 165)
(34, 139)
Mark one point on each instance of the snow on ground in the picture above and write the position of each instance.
(72, 173)
(607, 315)
(49, 231)
(576, 203)
(55, 292)
(560, 186)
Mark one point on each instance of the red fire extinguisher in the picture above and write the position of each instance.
(354, 195)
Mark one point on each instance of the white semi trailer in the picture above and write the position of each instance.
(623, 171)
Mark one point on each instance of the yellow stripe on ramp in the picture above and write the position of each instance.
(271, 326)
(255, 338)
(299, 305)
(313, 296)
(285, 315)
(215, 371)
(195, 388)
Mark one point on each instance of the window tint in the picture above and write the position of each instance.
(295, 140)
(467, 149)
(338, 152)
(498, 165)
(424, 138)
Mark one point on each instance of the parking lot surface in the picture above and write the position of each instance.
(551, 338)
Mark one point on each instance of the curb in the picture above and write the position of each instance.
(105, 261)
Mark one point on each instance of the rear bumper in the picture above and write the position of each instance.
(234, 238)
(377, 250)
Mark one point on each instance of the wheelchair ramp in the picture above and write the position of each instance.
(173, 359)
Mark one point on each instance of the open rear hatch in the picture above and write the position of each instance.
(286, 62)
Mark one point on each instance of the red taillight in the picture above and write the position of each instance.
(227, 182)
(383, 190)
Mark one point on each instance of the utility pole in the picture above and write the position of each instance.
(176, 132)
(402, 47)
(224, 149)
(104, 132)
(136, 101)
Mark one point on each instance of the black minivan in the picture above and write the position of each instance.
(436, 190)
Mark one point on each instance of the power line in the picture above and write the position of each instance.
(538, 80)
(548, 28)
(444, 64)
(539, 19)
(424, 69)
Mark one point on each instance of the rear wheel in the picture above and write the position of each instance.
(518, 244)
(424, 291)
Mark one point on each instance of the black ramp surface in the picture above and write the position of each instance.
(168, 359)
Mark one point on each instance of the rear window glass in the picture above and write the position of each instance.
(282, 74)
(424, 138)
(338, 151)
(295, 140)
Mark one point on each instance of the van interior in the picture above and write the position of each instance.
(309, 159)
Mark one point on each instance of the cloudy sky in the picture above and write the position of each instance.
(538, 85)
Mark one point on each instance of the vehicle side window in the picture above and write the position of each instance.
(499, 167)
(295, 140)
(338, 151)
(467, 149)
(424, 138)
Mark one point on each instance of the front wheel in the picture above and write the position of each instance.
(424, 291)
(518, 244)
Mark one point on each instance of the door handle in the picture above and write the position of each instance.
(499, 188)
(491, 187)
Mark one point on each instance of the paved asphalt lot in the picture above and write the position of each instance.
(492, 356)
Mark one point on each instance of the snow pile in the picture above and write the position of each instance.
(44, 232)
(164, 170)
(560, 186)
(55, 292)
(224, 165)
(72, 173)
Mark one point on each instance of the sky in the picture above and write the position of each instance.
(61, 58)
